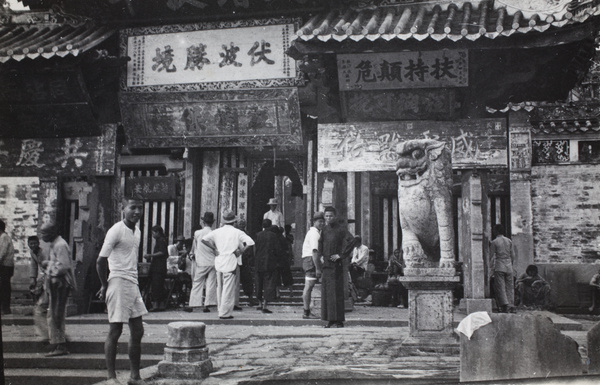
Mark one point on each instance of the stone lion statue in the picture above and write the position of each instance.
(424, 170)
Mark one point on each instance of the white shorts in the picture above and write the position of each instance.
(123, 301)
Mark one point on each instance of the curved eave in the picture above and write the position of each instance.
(19, 42)
(465, 23)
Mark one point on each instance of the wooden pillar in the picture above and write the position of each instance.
(472, 244)
(351, 200)
(365, 213)
(187, 200)
(242, 190)
(309, 186)
(210, 190)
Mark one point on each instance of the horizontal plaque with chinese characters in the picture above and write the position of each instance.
(237, 118)
(209, 53)
(421, 69)
(348, 147)
(156, 188)
(90, 155)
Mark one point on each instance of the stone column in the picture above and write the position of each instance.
(186, 354)
(471, 247)
(520, 189)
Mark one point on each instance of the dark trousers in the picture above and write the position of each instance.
(266, 285)
(157, 282)
(246, 280)
(6, 273)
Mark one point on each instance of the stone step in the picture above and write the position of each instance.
(53, 376)
(30, 347)
(73, 361)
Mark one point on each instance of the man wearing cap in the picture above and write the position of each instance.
(124, 302)
(274, 214)
(228, 242)
(61, 280)
(205, 277)
(336, 244)
(310, 261)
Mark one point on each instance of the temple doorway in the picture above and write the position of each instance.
(282, 182)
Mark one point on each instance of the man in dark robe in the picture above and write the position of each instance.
(336, 244)
(267, 252)
(158, 269)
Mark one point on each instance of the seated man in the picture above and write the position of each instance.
(395, 270)
(532, 290)
(360, 259)
(595, 287)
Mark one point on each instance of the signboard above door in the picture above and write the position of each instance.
(349, 147)
(238, 118)
(419, 69)
(209, 56)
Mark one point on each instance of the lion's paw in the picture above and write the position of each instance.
(447, 264)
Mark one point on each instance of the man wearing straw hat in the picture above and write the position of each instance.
(228, 242)
(274, 214)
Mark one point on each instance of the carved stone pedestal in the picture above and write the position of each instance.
(186, 354)
(430, 309)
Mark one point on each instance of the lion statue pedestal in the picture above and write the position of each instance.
(424, 170)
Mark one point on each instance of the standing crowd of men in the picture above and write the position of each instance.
(222, 258)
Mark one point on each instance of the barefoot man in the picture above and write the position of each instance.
(124, 303)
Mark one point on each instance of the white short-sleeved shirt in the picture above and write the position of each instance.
(276, 218)
(121, 246)
(360, 256)
(227, 240)
(205, 256)
(311, 242)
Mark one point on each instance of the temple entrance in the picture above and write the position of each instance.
(280, 181)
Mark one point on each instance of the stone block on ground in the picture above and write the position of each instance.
(186, 335)
(593, 349)
(189, 370)
(475, 305)
(186, 354)
(517, 346)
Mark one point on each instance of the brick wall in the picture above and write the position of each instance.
(566, 213)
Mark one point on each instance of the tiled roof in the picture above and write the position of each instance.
(46, 34)
(558, 118)
(445, 20)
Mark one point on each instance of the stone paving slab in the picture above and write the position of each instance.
(283, 350)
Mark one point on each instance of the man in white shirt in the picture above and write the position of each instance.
(205, 277)
(124, 303)
(311, 262)
(274, 214)
(228, 242)
(360, 259)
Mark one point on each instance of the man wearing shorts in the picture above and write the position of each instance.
(310, 261)
(124, 303)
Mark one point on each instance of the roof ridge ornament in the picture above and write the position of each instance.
(55, 15)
